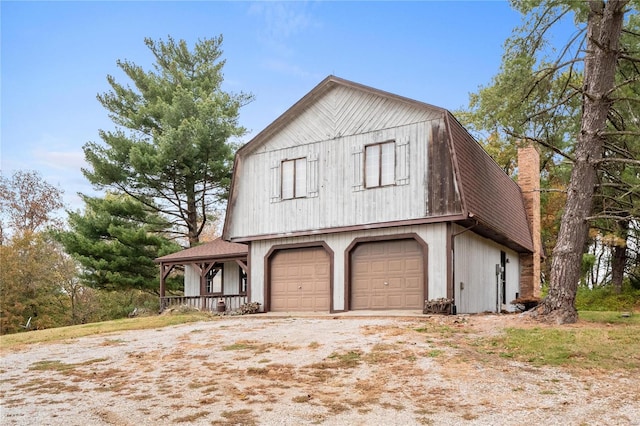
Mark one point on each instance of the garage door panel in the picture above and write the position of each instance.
(396, 266)
(395, 249)
(360, 284)
(306, 303)
(413, 300)
(322, 270)
(300, 280)
(377, 285)
(413, 283)
(395, 283)
(395, 301)
(360, 300)
(377, 267)
(292, 302)
(399, 264)
(310, 255)
(307, 271)
(413, 265)
(319, 287)
(361, 268)
(378, 302)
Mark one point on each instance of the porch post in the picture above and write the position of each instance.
(162, 277)
(203, 287)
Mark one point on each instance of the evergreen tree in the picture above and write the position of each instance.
(115, 241)
(171, 149)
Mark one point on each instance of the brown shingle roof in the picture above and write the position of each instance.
(218, 248)
(488, 193)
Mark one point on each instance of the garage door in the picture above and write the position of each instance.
(387, 275)
(300, 280)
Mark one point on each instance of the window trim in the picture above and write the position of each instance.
(379, 184)
(294, 178)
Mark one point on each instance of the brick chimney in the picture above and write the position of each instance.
(529, 181)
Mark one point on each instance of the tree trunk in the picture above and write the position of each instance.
(192, 214)
(192, 220)
(604, 27)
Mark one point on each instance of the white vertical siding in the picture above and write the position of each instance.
(191, 281)
(434, 235)
(475, 273)
(513, 278)
(331, 134)
(337, 197)
(231, 276)
(345, 111)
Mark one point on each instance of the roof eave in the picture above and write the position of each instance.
(190, 259)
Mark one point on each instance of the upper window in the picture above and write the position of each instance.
(380, 164)
(294, 178)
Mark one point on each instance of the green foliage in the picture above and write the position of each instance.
(531, 99)
(171, 149)
(116, 240)
(588, 261)
(38, 281)
(33, 277)
(120, 304)
(606, 299)
(539, 95)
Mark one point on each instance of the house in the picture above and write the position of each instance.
(213, 272)
(358, 199)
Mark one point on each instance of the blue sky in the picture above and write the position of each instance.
(56, 56)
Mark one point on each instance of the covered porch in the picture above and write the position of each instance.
(215, 276)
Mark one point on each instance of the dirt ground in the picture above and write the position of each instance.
(332, 370)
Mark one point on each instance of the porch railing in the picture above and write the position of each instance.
(204, 303)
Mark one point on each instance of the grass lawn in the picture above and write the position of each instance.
(600, 340)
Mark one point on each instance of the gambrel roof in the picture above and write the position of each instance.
(489, 195)
(467, 185)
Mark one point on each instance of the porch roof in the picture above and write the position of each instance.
(216, 249)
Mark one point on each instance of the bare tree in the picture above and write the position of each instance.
(28, 202)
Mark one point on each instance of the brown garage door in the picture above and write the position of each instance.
(300, 280)
(387, 275)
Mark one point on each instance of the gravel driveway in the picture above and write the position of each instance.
(332, 370)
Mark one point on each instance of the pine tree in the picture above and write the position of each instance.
(172, 148)
(116, 240)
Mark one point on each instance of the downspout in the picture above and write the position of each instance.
(453, 261)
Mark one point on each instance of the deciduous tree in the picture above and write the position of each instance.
(27, 203)
(31, 276)
(32, 264)
(576, 105)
